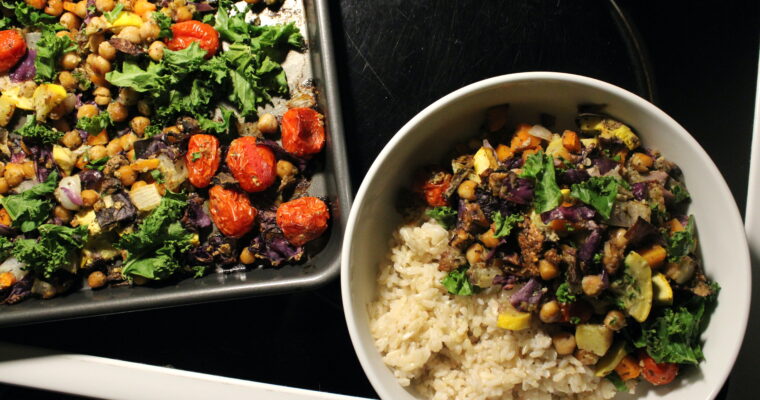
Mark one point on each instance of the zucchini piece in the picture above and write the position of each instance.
(595, 338)
(637, 287)
(611, 360)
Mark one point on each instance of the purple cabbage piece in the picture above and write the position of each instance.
(20, 290)
(521, 192)
(150, 147)
(572, 214)
(528, 296)
(280, 153)
(660, 177)
(44, 160)
(89, 14)
(505, 281)
(640, 230)
(573, 176)
(195, 217)
(512, 163)
(121, 211)
(604, 164)
(91, 179)
(217, 249)
(640, 190)
(26, 69)
(271, 245)
(18, 157)
(203, 7)
(590, 245)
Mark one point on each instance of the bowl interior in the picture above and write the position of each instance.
(456, 117)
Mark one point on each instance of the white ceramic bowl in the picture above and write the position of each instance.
(427, 137)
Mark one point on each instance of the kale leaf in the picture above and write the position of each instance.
(164, 23)
(31, 208)
(38, 132)
(446, 216)
(96, 124)
(599, 192)
(28, 16)
(540, 167)
(456, 282)
(683, 242)
(504, 225)
(6, 245)
(54, 249)
(565, 295)
(49, 49)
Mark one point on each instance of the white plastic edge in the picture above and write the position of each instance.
(114, 379)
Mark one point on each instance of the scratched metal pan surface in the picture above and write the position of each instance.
(311, 71)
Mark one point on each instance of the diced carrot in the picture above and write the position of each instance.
(571, 141)
(7, 279)
(528, 152)
(5, 219)
(523, 140)
(100, 138)
(654, 255)
(70, 6)
(642, 162)
(623, 153)
(628, 368)
(142, 7)
(145, 165)
(558, 225)
(81, 162)
(675, 225)
(504, 152)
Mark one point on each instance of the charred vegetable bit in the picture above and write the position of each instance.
(586, 233)
(133, 148)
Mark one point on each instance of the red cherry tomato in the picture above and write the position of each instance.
(253, 165)
(657, 374)
(302, 132)
(184, 33)
(433, 185)
(231, 211)
(12, 48)
(302, 220)
(202, 159)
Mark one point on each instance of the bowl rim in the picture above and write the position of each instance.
(733, 211)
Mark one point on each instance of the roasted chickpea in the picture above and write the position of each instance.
(87, 111)
(586, 357)
(564, 343)
(63, 214)
(550, 312)
(547, 270)
(14, 174)
(128, 96)
(128, 141)
(97, 152)
(4, 187)
(474, 253)
(106, 50)
(246, 257)
(182, 14)
(126, 175)
(466, 190)
(70, 61)
(70, 21)
(54, 7)
(114, 147)
(489, 239)
(130, 34)
(149, 31)
(28, 168)
(138, 124)
(118, 111)
(592, 285)
(99, 64)
(104, 5)
(641, 162)
(71, 139)
(286, 168)
(102, 95)
(267, 124)
(96, 279)
(89, 197)
(143, 108)
(156, 50)
(614, 320)
(95, 39)
(67, 80)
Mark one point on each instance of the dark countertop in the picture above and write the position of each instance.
(698, 62)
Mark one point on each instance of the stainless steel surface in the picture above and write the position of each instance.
(332, 181)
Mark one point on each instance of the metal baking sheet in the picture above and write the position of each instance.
(312, 71)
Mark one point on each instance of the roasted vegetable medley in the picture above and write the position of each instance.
(135, 146)
(585, 231)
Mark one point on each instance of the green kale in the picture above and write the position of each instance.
(446, 216)
(157, 176)
(49, 49)
(674, 335)
(217, 127)
(39, 132)
(164, 23)
(620, 386)
(683, 242)
(83, 82)
(680, 194)
(540, 167)
(6, 245)
(565, 295)
(575, 320)
(116, 12)
(155, 248)
(599, 192)
(5, 22)
(456, 282)
(597, 258)
(504, 226)
(96, 124)
(55, 249)
(98, 165)
(31, 208)
(28, 16)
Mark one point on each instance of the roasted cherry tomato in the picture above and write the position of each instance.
(231, 211)
(252, 164)
(12, 48)
(184, 33)
(433, 185)
(302, 132)
(302, 220)
(202, 159)
(657, 374)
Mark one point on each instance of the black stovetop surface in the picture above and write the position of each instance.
(698, 62)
